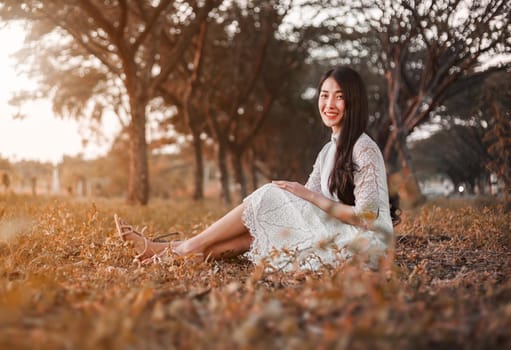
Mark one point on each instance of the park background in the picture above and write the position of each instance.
(193, 104)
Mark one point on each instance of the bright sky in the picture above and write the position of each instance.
(40, 136)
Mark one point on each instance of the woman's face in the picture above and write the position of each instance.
(331, 104)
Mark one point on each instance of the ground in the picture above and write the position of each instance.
(67, 281)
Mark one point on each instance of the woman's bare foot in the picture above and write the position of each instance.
(154, 249)
(181, 248)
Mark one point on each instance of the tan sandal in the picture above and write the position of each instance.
(124, 229)
(156, 258)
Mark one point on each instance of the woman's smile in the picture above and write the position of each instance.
(331, 104)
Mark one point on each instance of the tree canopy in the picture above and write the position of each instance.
(237, 73)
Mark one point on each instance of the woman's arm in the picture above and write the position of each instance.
(340, 211)
(314, 181)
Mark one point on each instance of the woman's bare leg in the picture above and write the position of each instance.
(229, 248)
(225, 237)
(228, 230)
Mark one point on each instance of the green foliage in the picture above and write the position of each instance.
(67, 281)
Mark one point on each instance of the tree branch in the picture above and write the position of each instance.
(150, 23)
(98, 17)
(183, 42)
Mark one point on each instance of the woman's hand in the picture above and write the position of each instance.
(340, 211)
(295, 188)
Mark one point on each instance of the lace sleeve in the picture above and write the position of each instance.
(368, 159)
(314, 181)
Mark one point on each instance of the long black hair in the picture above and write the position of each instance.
(354, 123)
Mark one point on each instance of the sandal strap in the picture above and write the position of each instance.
(155, 258)
(159, 238)
(124, 229)
(146, 245)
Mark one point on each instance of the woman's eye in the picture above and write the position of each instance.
(340, 97)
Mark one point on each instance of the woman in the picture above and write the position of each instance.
(342, 210)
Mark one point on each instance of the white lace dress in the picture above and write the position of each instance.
(291, 233)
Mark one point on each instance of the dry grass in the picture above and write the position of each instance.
(66, 281)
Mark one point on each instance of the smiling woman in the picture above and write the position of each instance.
(40, 135)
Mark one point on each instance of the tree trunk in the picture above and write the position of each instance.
(407, 187)
(481, 184)
(253, 171)
(199, 166)
(198, 192)
(404, 182)
(237, 164)
(138, 183)
(193, 124)
(470, 187)
(224, 173)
